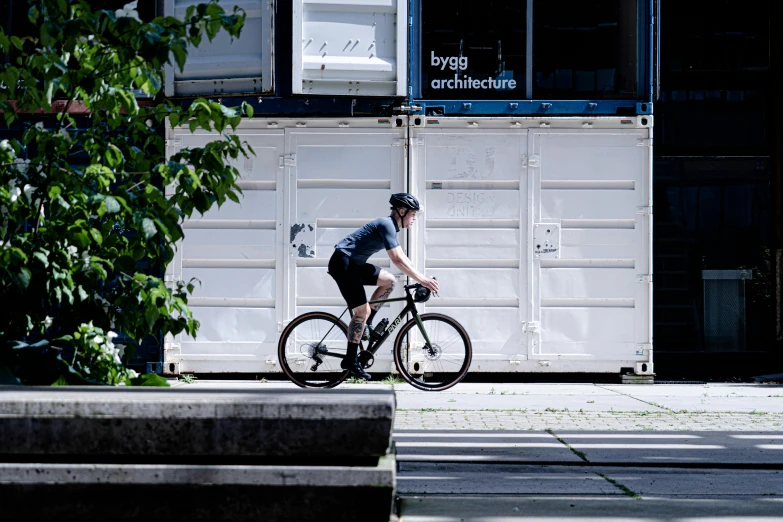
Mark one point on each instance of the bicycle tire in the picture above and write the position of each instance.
(302, 352)
(436, 359)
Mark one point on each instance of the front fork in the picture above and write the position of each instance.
(424, 333)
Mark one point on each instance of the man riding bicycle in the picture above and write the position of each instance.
(349, 268)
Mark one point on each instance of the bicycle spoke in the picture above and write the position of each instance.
(310, 352)
(443, 361)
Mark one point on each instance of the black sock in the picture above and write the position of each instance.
(350, 354)
(372, 316)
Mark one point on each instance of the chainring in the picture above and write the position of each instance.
(366, 359)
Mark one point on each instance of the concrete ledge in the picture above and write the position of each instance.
(145, 423)
(98, 492)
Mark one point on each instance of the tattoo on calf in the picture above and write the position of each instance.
(384, 295)
(355, 329)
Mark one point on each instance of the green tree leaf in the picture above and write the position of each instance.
(85, 234)
(148, 226)
(149, 379)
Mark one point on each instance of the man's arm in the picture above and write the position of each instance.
(402, 262)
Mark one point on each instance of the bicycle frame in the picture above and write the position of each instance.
(410, 307)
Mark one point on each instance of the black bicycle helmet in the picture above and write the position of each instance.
(404, 200)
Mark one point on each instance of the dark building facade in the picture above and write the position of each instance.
(717, 194)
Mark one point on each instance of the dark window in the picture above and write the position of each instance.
(712, 216)
(473, 50)
(585, 50)
(714, 36)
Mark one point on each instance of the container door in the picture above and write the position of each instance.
(473, 183)
(350, 47)
(338, 179)
(223, 66)
(590, 249)
(233, 251)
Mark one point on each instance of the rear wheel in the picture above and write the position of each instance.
(311, 349)
(438, 364)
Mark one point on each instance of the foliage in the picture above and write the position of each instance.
(82, 200)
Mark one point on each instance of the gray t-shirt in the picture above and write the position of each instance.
(371, 238)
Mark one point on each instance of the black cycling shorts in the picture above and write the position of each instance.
(351, 278)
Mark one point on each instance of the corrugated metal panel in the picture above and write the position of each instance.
(340, 179)
(350, 47)
(263, 262)
(222, 66)
(234, 252)
(471, 185)
(541, 238)
(592, 295)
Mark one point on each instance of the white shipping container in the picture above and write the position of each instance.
(350, 47)
(538, 229)
(226, 66)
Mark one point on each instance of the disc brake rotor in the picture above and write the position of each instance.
(432, 352)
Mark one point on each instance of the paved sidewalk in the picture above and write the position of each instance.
(498, 406)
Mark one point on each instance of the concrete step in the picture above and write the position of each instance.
(150, 492)
(96, 453)
(155, 425)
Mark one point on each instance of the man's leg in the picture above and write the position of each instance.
(386, 283)
(355, 329)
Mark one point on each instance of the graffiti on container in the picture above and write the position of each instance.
(303, 239)
(463, 163)
(470, 204)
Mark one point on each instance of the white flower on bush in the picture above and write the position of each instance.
(21, 165)
(28, 192)
(15, 193)
(128, 11)
(40, 127)
(48, 322)
(6, 146)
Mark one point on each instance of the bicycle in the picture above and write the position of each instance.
(434, 358)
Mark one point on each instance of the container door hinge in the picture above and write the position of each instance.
(533, 161)
(288, 160)
(644, 142)
(643, 211)
(398, 142)
(174, 143)
(644, 278)
(530, 327)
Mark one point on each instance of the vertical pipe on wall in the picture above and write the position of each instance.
(657, 54)
(529, 52)
(777, 180)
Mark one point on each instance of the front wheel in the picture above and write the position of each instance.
(438, 364)
(311, 349)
